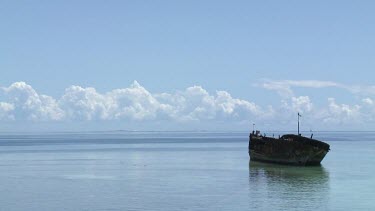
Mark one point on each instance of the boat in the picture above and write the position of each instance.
(290, 149)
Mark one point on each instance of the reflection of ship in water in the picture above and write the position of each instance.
(288, 187)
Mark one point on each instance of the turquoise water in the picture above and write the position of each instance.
(178, 171)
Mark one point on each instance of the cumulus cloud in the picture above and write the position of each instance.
(195, 103)
(134, 103)
(302, 104)
(28, 104)
(332, 113)
(342, 113)
(5, 110)
(85, 104)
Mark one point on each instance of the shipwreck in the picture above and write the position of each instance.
(290, 149)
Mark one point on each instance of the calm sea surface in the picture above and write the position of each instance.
(178, 171)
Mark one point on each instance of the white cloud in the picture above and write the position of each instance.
(20, 101)
(5, 110)
(302, 104)
(85, 104)
(368, 101)
(311, 83)
(134, 102)
(333, 113)
(284, 87)
(360, 89)
(195, 103)
(228, 106)
(342, 113)
(27, 103)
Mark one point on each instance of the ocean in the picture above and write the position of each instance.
(122, 170)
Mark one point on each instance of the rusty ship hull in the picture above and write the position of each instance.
(288, 149)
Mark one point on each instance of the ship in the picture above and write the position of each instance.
(289, 149)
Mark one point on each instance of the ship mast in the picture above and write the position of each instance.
(298, 122)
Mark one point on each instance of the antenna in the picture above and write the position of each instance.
(253, 126)
(299, 115)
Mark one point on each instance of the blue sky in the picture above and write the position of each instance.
(266, 53)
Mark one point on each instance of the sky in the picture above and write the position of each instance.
(186, 65)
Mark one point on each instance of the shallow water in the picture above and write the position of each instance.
(178, 171)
